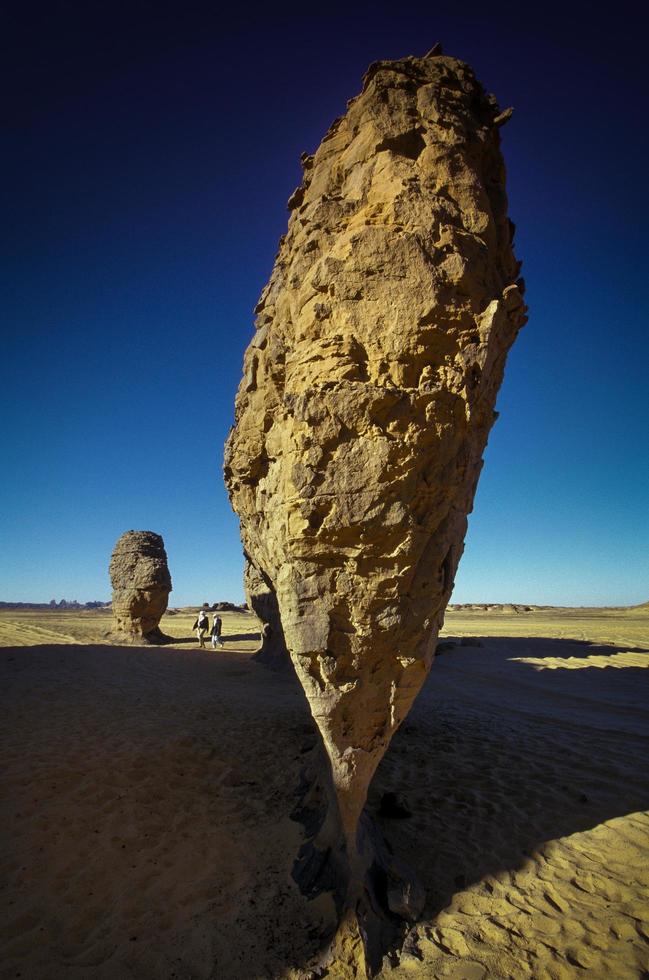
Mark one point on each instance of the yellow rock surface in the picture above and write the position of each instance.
(368, 394)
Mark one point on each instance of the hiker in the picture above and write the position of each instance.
(216, 632)
(200, 626)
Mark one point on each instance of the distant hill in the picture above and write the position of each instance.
(509, 607)
(495, 607)
(213, 607)
(53, 604)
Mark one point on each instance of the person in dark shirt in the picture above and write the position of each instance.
(201, 626)
(217, 625)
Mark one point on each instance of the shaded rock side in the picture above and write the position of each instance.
(368, 395)
(261, 598)
(141, 585)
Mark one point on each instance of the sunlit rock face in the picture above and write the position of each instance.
(141, 585)
(368, 394)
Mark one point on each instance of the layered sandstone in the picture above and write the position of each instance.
(368, 395)
(141, 585)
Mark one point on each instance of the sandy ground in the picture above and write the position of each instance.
(147, 797)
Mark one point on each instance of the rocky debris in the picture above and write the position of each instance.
(394, 807)
(141, 585)
(445, 647)
(367, 397)
(451, 643)
(405, 896)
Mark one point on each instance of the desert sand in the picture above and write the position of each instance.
(147, 799)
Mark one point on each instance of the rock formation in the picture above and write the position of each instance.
(367, 398)
(261, 598)
(141, 585)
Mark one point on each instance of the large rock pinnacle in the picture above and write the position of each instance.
(141, 585)
(368, 395)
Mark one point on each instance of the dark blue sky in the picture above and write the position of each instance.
(148, 153)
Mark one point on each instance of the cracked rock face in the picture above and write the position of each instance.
(141, 585)
(368, 395)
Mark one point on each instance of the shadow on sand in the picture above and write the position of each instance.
(499, 755)
(496, 757)
(236, 637)
(226, 638)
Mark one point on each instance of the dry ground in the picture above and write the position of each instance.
(30, 627)
(147, 797)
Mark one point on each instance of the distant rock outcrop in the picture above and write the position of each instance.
(367, 398)
(53, 605)
(141, 585)
(227, 607)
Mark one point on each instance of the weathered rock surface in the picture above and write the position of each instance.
(367, 398)
(261, 598)
(141, 585)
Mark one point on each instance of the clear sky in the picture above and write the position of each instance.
(148, 153)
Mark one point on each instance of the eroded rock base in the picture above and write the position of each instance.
(154, 638)
(375, 909)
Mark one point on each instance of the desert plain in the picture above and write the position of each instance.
(148, 793)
